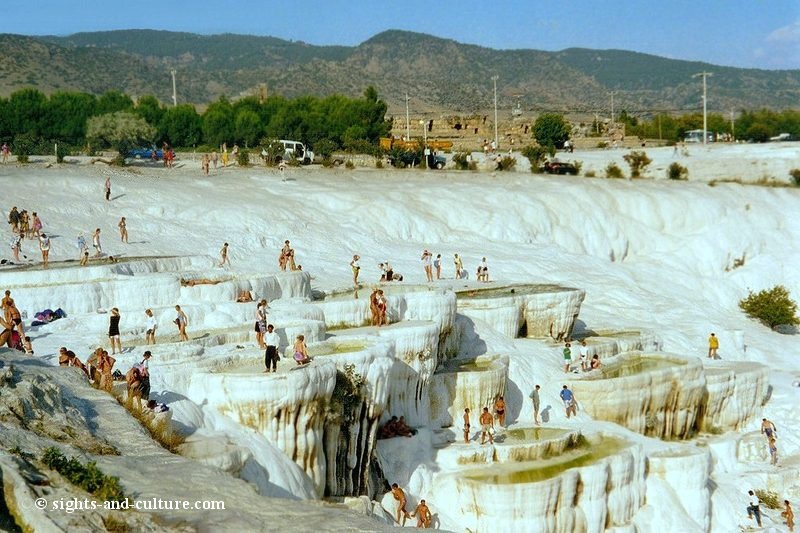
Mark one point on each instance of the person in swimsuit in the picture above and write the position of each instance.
(16, 247)
(423, 515)
(37, 225)
(380, 303)
(466, 425)
(181, 321)
(427, 265)
(400, 496)
(458, 265)
(487, 424)
(283, 259)
(356, 269)
(437, 264)
(15, 318)
(96, 243)
(5, 150)
(500, 411)
(214, 159)
(261, 323)
(105, 365)
(113, 331)
(108, 188)
(301, 351)
(773, 450)
(595, 364)
(788, 515)
(123, 230)
(44, 246)
(223, 255)
(768, 428)
(373, 306)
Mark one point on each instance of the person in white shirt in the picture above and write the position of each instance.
(272, 341)
(356, 268)
(583, 350)
(427, 265)
(152, 325)
(483, 271)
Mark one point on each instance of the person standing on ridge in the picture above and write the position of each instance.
(487, 426)
(713, 345)
(123, 230)
(536, 404)
(567, 353)
(427, 265)
(108, 188)
(272, 341)
(569, 401)
(466, 425)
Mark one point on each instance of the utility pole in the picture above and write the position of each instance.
(733, 131)
(612, 109)
(496, 144)
(408, 122)
(174, 91)
(705, 104)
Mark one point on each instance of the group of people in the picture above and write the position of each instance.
(586, 364)
(12, 330)
(422, 512)
(769, 430)
(486, 421)
(286, 258)
(377, 308)
(396, 427)
(27, 226)
(754, 510)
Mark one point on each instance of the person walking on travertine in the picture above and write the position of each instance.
(713, 345)
(400, 496)
(569, 401)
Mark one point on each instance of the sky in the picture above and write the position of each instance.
(743, 33)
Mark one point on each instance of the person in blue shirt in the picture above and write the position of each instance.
(569, 401)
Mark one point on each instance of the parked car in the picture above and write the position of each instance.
(403, 159)
(146, 153)
(558, 167)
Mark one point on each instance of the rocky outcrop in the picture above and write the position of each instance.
(735, 393)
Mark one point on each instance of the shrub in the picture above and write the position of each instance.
(578, 166)
(325, 148)
(676, 171)
(243, 159)
(613, 171)
(378, 162)
(22, 147)
(62, 150)
(590, 174)
(88, 477)
(638, 162)
(795, 174)
(768, 498)
(537, 154)
(602, 145)
(272, 151)
(327, 162)
(551, 129)
(461, 160)
(349, 164)
(507, 163)
(771, 307)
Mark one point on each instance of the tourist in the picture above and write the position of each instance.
(583, 351)
(500, 411)
(24, 224)
(400, 496)
(427, 265)
(63, 358)
(713, 345)
(569, 401)
(768, 428)
(105, 365)
(224, 155)
(204, 164)
(567, 352)
(144, 370)
(96, 243)
(536, 404)
(381, 304)
(15, 318)
(37, 225)
(283, 259)
(356, 268)
(458, 266)
(773, 451)
(487, 425)
(13, 219)
(373, 306)
(81, 244)
(271, 341)
(5, 305)
(223, 255)
(261, 323)
(483, 271)
(152, 325)
(423, 515)
(26, 345)
(181, 321)
(595, 364)
(108, 188)
(5, 151)
(388, 271)
(133, 379)
(85, 259)
(113, 331)
(92, 363)
(157, 407)
(788, 515)
(301, 350)
(44, 247)
(235, 153)
(123, 230)
(753, 508)
(466, 425)
(437, 264)
(214, 159)
(16, 246)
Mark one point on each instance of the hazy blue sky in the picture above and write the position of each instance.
(750, 33)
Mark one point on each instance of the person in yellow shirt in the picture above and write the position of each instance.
(713, 344)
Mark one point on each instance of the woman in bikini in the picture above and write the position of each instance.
(123, 230)
(37, 225)
(500, 411)
(301, 351)
(380, 302)
(44, 246)
(181, 321)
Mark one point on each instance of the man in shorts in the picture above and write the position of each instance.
(567, 352)
(583, 350)
(768, 428)
(569, 401)
(152, 326)
(487, 425)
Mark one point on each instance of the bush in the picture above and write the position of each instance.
(324, 148)
(461, 160)
(551, 129)
(327, 162)
(379, 162)
(578, 166)
(272, 151)
(62, 150)
(88, 477)
(769, 498)
(638, 162)
(602, 145)
(537, 154)
(758, 132)
(349, 164)
(795, 174)
(771, 307)
(590, 174)
(676, 171)
(613, 171)
(507, 163)
(243, 159)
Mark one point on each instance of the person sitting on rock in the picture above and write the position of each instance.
(244, 297)
(595, 363)
(134, 380)
(403, 429)
(301, 351)
(389, 429)
(157, 407)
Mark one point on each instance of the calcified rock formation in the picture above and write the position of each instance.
(681, 475)
(735, 393)
(466, 383)
(543, 310)
(583, 490)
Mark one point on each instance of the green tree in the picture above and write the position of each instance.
(218, 122)
(551, 129)
(27, 109)
(247, 127)
(773, 307)
(66, 115)
(149, 108)
(112, 101)
(120, 130)
(181, 125)
(758, 132)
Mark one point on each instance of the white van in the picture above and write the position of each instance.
(295, 149)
